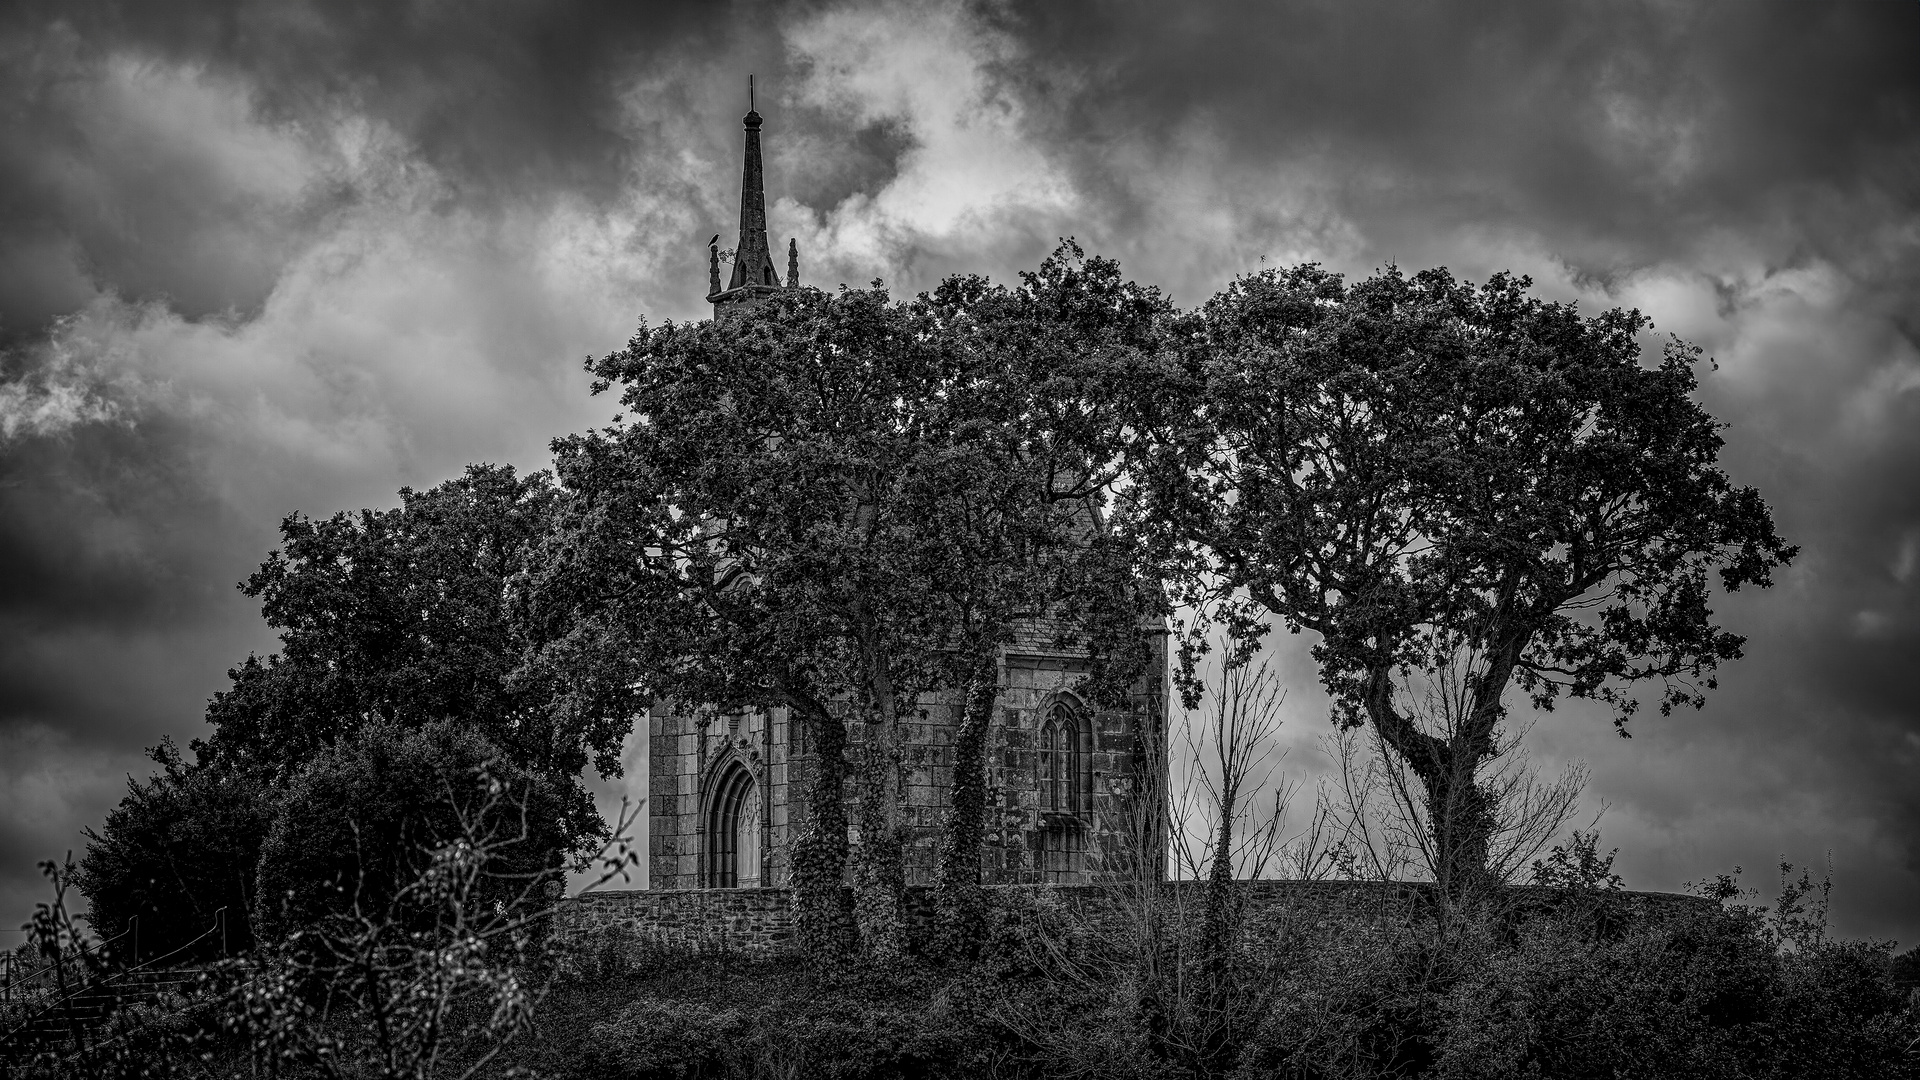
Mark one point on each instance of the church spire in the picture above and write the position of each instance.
(754, 272)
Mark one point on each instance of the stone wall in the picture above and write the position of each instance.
(760, 921)
(698, 920)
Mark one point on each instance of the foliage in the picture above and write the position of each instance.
(771, 1020)
(1459, 490)
(842, 506)
(356, 827)
(1578, 864)
(394, 617)
(400, 615)
(432, 979)
(1624, 986)
(387, 987)
(177, 851)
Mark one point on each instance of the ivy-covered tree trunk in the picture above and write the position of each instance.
(1460, 815)
(960, 902)
(823, 921)
(1460, 818)
(879, 873)
(1211, 1039)
(1217, 925)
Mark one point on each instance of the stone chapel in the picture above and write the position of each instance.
(1063, 778)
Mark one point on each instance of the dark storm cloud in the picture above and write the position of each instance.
(507, 95)
(505, 101)
(1627, 129)
(510, 92)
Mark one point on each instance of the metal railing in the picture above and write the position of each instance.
(8, 980)
(95, 986)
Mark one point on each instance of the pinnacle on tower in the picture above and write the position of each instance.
(754, 273)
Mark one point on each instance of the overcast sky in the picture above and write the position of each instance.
(277, 257)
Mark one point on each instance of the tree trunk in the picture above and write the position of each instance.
(1218, 922)
(1460, 818)
(1213, 1003)
(960, 903)
(823, 921)
(879, 877)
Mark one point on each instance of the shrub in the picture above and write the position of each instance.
(657, 1040)
(1702, 993)
(363, 817)
(178, 848)
(716, 1016)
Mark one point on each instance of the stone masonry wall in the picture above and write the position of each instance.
(698, 920)
(760, 921)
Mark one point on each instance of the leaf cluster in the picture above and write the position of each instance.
(829, 481)
(1429, 474)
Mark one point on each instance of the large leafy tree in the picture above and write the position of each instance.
(397, 617)
(741, 540)
(1464, 492)
(835, 504)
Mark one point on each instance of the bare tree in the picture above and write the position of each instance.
(1163, 936)
(1223, 830)
(433, 981)
(1375, 819)
(436, 981)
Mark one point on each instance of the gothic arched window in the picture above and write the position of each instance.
(1064, 780)
(733, 831)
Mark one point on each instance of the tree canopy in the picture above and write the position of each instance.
(396, 617)
(1459, 490)
(840, 505)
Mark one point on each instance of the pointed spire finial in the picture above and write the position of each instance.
(793, 263)
(754, 271)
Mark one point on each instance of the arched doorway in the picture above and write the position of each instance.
(733, 831)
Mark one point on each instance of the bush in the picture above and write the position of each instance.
(1707, 993)
(178, 848)
(364, 817)
(717, 1016)
(656, 1040)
